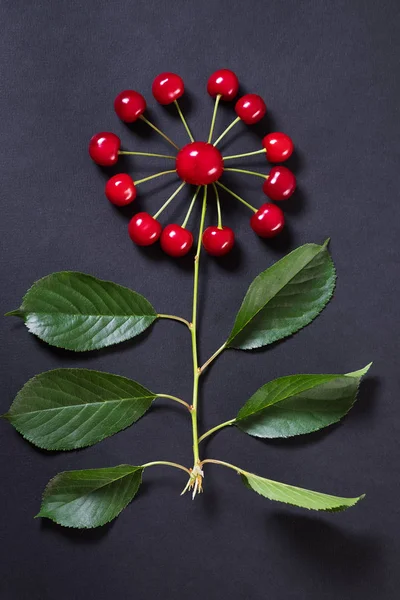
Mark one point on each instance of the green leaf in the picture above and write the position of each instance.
(90, 498)
(299, 404)
(66, 409)
(281, 492)
(80, 312)
(284, 298)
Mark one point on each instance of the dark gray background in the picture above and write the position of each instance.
(329, 74)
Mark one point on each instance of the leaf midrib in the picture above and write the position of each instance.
(59, 408)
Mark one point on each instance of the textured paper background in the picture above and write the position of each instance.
(329, 74)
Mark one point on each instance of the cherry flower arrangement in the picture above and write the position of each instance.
(67, 409)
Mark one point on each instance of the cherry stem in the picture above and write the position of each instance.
(213, 357)
(196, 370)
(174, 398)
(248, 172)
(218, 206)
(175, 318)
(154, 176)
(146, 154)
(223, 464)
(190, 207)
(217, 99)
(150, 124)
(245, 154)
(223, 134)
(236, 196)
(167, 463)
(184, 120)
(214, 429)
(172, 196)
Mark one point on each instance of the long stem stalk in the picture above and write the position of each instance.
(154, 176)
(174, 318)
(223, 464)
(189, 212)
(216, 428)
(263, 151)
(196, 370)
(236, 196)
(184, 120)
(223, 134)
(246, 172)
(217, 99)
(218, 206)
(146, 154)
(150, 124)
(172, 196)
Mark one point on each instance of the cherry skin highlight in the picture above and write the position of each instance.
(120, 189)
(176, 241)
(224, 83)
(129, 106)
(199, 163)
(250, 108)
(104, 147)
(167, 87)
(143, 229)
(218, 241)
(280, 184)
(268, 221)
(279, 147)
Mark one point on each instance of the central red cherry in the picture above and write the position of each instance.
(199, 163)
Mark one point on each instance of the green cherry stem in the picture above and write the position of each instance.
(217, 428)
(146, 154)
(184, 120)
(218, 206)
(175, 318)
(213, 357)
(175, 399)
(236, 196)
(256, 173)
(172, 196)
(166, 463)
(150, 124)
(246, 154)
(191, 207)
(196, 370)
(217, 99)
(139, 181)
(223, 134)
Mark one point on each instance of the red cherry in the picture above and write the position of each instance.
(199, 163)
(175, 240)
(143, 229)
(120, 189)
(103, 148)
(268, 221)
(250, 108)
(218, 241)
(167, 87)
(129, 105)
(279, 146)
(224, 83)
(280, 184)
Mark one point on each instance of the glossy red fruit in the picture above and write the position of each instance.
(129, 105)
(143, 229)
(120, 189)
(250, 108)
(167, 87)
(224, 83)
(280, 184)
(175, 240)
(268, 221)
(103, 148)
(279, 146)
(218, 242)
(199, 163)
